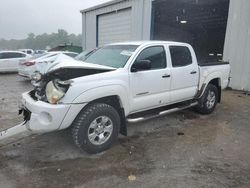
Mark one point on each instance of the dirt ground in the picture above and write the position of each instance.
(179, 150)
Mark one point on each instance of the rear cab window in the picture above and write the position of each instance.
(180, 56)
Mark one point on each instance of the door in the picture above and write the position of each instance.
(114, 27)
(150, 88)
(185, 74)
(2, 61)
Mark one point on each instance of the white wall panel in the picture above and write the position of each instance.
(237, 44)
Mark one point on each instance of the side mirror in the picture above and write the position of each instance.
(141, 65)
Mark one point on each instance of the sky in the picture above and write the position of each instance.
(20, 17)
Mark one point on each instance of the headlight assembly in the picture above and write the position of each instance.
(55, 90)
(36, 77)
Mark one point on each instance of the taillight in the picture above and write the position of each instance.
(28, 63)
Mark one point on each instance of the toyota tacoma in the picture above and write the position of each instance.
(116, 84)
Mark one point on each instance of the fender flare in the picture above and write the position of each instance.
(208, 79)
(106, 91)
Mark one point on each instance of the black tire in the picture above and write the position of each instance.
(81, 127)
(203, 106)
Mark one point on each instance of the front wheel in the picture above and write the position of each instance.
(96, 128)
(208, 101)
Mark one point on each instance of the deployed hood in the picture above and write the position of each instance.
(65, 67)
(65, 62)
(43, 63)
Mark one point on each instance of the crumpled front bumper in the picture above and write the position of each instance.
(44, 117)
(14, 134)
(40, 117)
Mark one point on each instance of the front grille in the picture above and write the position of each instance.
(33, 95)
(26, 114)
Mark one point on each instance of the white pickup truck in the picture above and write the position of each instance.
(119, 83)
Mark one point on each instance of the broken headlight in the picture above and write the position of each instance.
(36, 77)
(55, 90)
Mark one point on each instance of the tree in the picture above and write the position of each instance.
(42, 41)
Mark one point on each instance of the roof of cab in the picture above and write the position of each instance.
(11, 51)
(138, 43)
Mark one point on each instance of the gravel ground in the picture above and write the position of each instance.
(179, 150)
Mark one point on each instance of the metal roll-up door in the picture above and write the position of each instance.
(114, 27)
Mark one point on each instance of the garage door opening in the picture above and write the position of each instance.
(114, 27)
(201, 23)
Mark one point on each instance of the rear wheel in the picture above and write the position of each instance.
(96, 128)
(208, 101)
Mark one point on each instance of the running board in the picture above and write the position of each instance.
(162, 113)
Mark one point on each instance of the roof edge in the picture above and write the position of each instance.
(100, 5)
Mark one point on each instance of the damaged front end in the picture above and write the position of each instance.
(52, 86)
(17, 132)
(41, 114)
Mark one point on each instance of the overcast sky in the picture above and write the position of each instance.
(20, 17)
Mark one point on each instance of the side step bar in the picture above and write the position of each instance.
(162, 113)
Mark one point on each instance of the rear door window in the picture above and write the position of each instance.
(180, 56)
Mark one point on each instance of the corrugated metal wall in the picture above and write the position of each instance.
(237, 44)
(140, 23)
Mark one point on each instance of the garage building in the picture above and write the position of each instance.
(217, 29)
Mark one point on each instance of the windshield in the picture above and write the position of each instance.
(113, 56)
(36, 56)
(82, 56)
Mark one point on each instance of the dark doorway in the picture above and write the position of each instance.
(201, 23)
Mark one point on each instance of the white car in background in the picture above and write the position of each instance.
(28, 68)
(27, 51)
(40, 51)
(9, 60)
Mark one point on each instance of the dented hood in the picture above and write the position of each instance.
(65, 62)
(65, 68)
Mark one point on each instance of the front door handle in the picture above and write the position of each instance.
(166, 76)
(193, 72)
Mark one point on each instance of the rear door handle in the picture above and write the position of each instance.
(193, 72)
(166, 76)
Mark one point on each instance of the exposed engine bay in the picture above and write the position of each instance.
(59, 79)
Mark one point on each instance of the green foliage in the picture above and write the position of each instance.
(42, 41)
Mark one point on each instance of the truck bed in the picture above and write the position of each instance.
(203, 64)
(216, 69)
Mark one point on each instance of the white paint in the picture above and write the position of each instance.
(125, 85)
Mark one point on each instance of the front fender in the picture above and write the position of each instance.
(105, 91)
